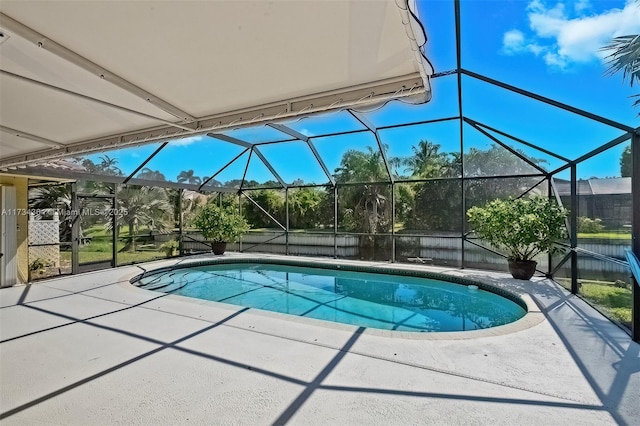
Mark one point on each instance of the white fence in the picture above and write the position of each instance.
(44, 241)
(443, 251)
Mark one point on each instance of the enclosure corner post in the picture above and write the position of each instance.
(114, 226)
(635, 231)
(573, 232)
(286, 231)
(180, 222)
(75, 229)
(393, 222)
(335, 221)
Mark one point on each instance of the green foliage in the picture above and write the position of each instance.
(143, 207)
(305, 207)
(366, 207)
(625, 162)
(170, 247)
(625, 57)
(428, 162)
(149, 174)
(188, 176)
(38, 264)
(220, 224)
(522, 227)
(614, 300)
(590, 226)
(57, 197)
(271, 200)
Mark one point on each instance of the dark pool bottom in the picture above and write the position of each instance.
(378, 300)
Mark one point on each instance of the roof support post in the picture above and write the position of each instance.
(635, 231)
(335, 221)
(114, 226)
(286, 223)
(393, 222)
(75, 229)
(573, 228)
(463, 208)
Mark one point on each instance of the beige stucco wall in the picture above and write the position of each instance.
(21, 185)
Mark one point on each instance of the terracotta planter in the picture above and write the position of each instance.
(522, 269)
(218, 248)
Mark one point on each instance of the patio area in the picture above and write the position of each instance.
(92, 349)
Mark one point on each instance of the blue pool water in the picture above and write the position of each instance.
(390, 302)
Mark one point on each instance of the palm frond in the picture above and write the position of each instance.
(625, 57)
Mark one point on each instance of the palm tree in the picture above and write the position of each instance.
(626, 58)
(427, 161)
(149, 174)
(367, 207)
(142, 206)
(108, 165)
(187, 176)
(57, 197)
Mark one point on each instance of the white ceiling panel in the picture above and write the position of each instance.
(26, 59)
(55, 116)
(14, 145)
(196, 66)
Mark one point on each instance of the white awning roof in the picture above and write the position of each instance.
(83, 76)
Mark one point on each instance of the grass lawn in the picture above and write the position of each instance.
(614, 301)
(606, 236)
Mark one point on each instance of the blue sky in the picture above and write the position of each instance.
(551, 48)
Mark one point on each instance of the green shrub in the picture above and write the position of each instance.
(590, 226)
(170, 247)
(220, 224)
(522, 228)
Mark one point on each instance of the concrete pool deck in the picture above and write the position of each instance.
(92, 349)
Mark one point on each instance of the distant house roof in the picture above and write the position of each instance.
(595, 186)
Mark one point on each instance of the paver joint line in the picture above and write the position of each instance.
(73, 320)
(67, 388)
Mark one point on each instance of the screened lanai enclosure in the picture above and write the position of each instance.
(383, 176)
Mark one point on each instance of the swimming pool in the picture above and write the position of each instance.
(378, 300)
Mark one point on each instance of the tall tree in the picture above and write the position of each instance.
(188, 176)
(142, 206)
(625, 162)
(149, 174)
(367, 206)
(108, 166)
(57, 197)
(427, 161)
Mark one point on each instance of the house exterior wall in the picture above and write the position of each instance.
(615, 210)
(21, 186)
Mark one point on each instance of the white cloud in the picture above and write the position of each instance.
(187, 141)
(582, 6)
(513, 41)
(562, 39)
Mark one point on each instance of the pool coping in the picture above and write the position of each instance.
(532, 317)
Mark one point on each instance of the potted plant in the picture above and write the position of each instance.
(522, 228)
(170, 248)
(220, 225)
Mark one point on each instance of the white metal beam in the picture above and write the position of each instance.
(408, 87)
(89, 98)
(31, 137)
